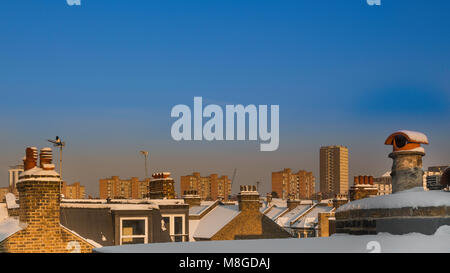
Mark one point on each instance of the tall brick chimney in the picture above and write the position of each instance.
(248, 199)
(39, 195)
(191, 198)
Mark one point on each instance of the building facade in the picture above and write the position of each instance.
(383, 183)
(210, 187)
(432, 177)
(116, 188)
(333, 170)
(363, 187)
(300, 185)
(73, 191)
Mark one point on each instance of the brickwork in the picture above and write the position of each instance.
(251, 225)
(39, 210)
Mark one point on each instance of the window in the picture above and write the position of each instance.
(176, 227)
(133, 230)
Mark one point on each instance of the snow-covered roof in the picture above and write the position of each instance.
(9, 226)
(197, 210)
(274, 212)
(416, 197)
(216, 219)
(311, 217)
(286, 219)
(337, 243)
(123, 206)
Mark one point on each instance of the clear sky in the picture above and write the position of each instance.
(105, 75)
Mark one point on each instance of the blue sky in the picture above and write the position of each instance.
(105, 75)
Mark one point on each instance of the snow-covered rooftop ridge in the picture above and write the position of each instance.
(416, 197)
(216, 219)
(9, 226)
(125, 201)
(338, 243)
(311, 217)
(286, 219)
(110, 206)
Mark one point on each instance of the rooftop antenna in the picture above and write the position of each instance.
(145, 154)
(61, 144)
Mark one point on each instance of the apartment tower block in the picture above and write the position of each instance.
(333, 171)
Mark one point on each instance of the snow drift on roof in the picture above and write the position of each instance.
(416, 197)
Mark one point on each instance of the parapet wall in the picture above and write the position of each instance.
(424, 220)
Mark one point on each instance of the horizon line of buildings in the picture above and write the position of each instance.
(286, 184)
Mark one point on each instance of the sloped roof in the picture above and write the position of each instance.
(311, 217)
(285, 220)
(10, 226)
(216, 219)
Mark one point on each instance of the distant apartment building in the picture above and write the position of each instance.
(161, 186)
(13, 175)
(363, 187)
(73, 191)
(383, 183)
(300, 185)
(333, 170)
(3, 192)
(210, 187)
(432, 177)
(116, 188)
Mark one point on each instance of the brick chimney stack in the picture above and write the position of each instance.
(39, 193)
(248, 199)
(191, 198)
(292, 203)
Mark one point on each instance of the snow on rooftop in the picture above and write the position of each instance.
(197, 210)
(274, 212)
(285, 220)
(216, 219)
(416, 197)
(311, 217)
(9, 226)
(123, 206)
(36, 174)
(338, 243)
